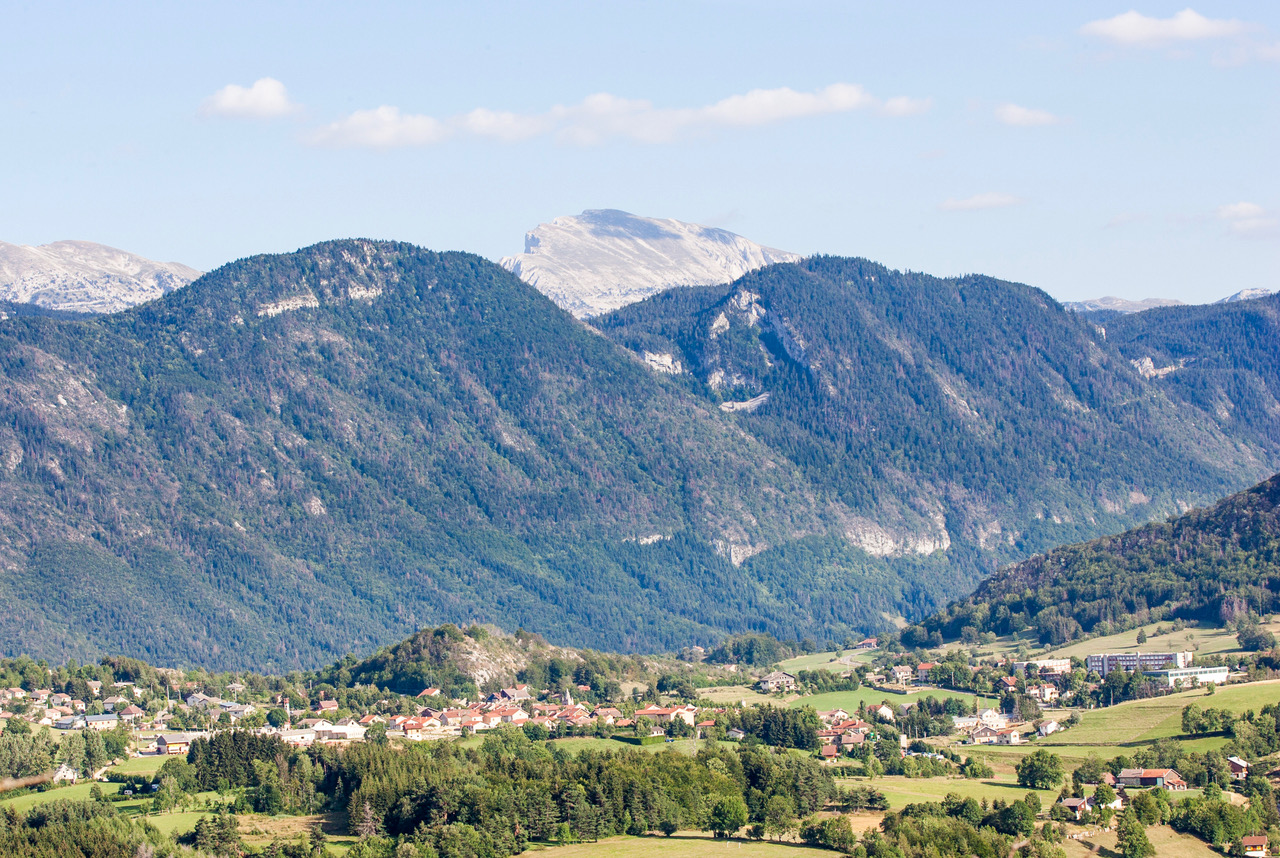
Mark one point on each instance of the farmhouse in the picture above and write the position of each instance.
(172, 743)
(1163, 778)
(777, 681)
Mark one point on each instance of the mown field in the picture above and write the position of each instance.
(1167, 842)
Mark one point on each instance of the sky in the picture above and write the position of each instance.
(1084, 148)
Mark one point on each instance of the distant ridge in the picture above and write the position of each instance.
(604, 259)
(84, 277)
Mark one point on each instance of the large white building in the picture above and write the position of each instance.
(1186, 677)
(1105, 663)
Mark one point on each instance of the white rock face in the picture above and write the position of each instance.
(1122, 305)
(85, 277)
(1246, 295)
(604, 259)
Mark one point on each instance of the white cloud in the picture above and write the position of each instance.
(381, 128)
(1012, 114)
(265, 99)
(1249, 220)
(602, 116)
(1133, 28)
(989, 200)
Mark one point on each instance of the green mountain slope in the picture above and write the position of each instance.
(304, 455)
(1208, 564)
(967, 412)
(1224, 359)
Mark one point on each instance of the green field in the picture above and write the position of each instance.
(1167, 842)
(903, 791)
(721, 694)
(1203, 641)
(835, 661)
(147, 765)
(685, 844)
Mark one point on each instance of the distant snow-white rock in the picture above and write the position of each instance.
(84, 277)
(604, 259)
(1120, 305)
(1247, 295)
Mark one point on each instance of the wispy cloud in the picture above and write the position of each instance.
(602, 117)
(1249, 220)
(989, 200)
(1134, 28)
(266, 98)
(1012, 114)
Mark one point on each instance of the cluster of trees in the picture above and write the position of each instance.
(962, 827)
(777, 726)
(62, 829)
(512, 789)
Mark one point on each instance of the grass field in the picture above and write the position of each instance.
(685, 844)
(1167, 842)
(722, 694)
(147, 765)
(835, 661)
(903, 791)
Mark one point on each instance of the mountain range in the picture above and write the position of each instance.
(308, 454)
(84, 277)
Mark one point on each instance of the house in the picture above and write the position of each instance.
(883, 711)
(736, 735)
(95, 686)
(325, 707)
(1255, 845)
(665, 715)
(195, 701)
(833, 716)
(1044, 692)
(829, 752)
(851, 739)
(114, 701)
(902, 674)
(993, 718)
(1007, 683)
(172, 743)
(869, 643)
(1009, 736)
(1048, 728)
(777, 681)
(1078, 806)
(922, 671)
(131, 713)
(985, 735)
(65, 774)
(429, 692)
(1239, 768)
(101, 722)
(1162, 778)
(69, 722)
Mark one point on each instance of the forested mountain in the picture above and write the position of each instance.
(1223, 359)
(1213, 564)
(969, 413)
(309, 454)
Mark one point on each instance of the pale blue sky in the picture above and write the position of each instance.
(1055, 144)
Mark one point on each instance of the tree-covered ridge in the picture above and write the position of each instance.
(969, 405)
(304, 455)
(1222, 358)
(1217, 563)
